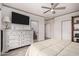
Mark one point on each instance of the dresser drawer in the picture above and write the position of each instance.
(23, 43)
(14, 45)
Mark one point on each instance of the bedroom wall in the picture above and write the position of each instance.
(57, 25)
(7, 12)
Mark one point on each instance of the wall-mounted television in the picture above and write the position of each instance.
(20, 19)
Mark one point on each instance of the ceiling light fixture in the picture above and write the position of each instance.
(52, 10)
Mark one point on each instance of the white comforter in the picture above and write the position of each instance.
(47, 48)
(70, 50)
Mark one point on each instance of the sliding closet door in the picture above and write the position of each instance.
(66, 30)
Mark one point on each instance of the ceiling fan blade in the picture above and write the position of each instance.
(59, 8)
(54, 5)
(47, 11)
(46, 7)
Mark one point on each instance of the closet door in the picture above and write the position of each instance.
(66, 30)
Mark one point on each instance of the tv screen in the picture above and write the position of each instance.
(20, 19)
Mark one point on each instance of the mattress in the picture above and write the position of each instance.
(70, 50)
(47, 48)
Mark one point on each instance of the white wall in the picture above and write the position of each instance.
(57, 24)
(7, 12)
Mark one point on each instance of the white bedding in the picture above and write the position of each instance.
(47, 48)
(70, 50)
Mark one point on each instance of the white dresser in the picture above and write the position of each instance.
(18, 38)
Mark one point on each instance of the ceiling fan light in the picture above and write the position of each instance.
(52, 10)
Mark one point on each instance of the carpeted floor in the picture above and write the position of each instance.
(17, 52)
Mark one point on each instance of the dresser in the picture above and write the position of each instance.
(18, 38)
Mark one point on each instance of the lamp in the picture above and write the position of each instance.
(6, 21)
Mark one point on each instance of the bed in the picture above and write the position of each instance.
(53, 48)
(70, 50)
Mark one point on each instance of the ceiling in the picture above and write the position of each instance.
(36, 8)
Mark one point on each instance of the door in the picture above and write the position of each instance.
(66, 30)
(35, 27)
(48, 31)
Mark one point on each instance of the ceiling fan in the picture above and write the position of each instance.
(53, 8)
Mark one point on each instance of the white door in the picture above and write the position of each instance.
(66, 30)
(48, 31)
(35, 27)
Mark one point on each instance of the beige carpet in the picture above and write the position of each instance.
(17, 52)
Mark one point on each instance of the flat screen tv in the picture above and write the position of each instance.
(20, 19)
